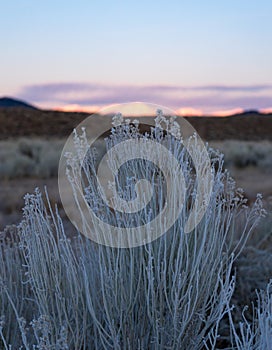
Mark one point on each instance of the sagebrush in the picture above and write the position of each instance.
(173, 293)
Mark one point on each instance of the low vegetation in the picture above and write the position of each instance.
(39, 157)
(29, 158)
(242, 154)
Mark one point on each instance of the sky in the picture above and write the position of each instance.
(195, 57)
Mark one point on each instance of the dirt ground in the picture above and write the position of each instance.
(252, 179)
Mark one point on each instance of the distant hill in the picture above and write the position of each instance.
(6, 102)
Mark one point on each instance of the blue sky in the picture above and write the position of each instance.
(204, 55)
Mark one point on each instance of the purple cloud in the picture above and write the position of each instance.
(206, 97)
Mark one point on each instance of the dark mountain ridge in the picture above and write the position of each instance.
(8, 102)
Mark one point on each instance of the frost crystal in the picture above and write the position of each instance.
(117, 119)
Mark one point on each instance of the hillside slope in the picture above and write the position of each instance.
(15, 122)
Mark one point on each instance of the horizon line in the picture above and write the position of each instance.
(183, 111)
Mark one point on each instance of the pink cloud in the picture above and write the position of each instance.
(227, 112)
(77, 108)
(190, 100)
(266, 110)
(189, 111)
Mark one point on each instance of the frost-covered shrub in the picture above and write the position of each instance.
(253, 270)
(256, 333)
(169, 294)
